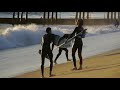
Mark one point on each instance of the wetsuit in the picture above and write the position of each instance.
(77, 45)
(116, 23)
(46, 50)
(65, 36)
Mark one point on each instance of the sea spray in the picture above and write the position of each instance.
(25, 35)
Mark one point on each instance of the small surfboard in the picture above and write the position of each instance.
(69, 44)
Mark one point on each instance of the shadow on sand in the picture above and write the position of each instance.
(88, 69)
(112, 54)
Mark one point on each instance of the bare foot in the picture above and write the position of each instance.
(43, 77)
(51, 75)
(68, 60)
(80, 68)
(55, 62)
(75, 68)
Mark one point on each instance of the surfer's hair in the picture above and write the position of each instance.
(80, 22)
(48, 29)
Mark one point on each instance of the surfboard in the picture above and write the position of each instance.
(69, 44)
(57, 37)
(82, 33)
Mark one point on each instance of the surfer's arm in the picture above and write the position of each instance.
(53, 42)
(73, 33)
(42, 41)
(52, 46)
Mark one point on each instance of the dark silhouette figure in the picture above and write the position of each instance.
(116, 23)
(65, 36)
(78, 44)
(46, 50)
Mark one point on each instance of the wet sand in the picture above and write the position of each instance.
(106, 65)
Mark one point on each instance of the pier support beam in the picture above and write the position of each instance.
(111, 15)
(26, 17)
(13, 18)
(21, 16)
(114, 15)
(108, 15)
(83, 15)
(119, 16)
(87, 15)
(79, 15)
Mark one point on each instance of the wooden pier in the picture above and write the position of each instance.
(54, 22)
(51, 18)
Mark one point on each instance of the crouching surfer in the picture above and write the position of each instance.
(65, 36)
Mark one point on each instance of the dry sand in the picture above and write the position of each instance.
(105, 65)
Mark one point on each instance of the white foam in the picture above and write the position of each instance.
(25, 35)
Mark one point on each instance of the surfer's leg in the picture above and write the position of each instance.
(80, 56)
(66, 53)
(50, 54)
(42, 64)
(73, 56)
(60, 51)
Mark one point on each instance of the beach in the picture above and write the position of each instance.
(20, 44)
(106, 65)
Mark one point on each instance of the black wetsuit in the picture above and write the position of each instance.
(65, 36)
(77, 45)
(46, 50)
(116, 23)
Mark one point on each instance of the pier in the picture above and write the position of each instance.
(51, 18)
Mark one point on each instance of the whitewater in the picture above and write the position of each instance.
(19, 45)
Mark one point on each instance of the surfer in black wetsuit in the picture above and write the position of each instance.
(78, 44)
(65, 36)
(116, 23)
(46, 50)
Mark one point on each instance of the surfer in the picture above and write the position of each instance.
(46, 50)
(65, 36)
(78, 44)
(116, 24)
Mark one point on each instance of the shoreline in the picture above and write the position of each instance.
(91, 68)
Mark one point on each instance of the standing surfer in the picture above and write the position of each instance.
(78, 44)
(46, 50)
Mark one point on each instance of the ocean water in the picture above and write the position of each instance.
(26, 35)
